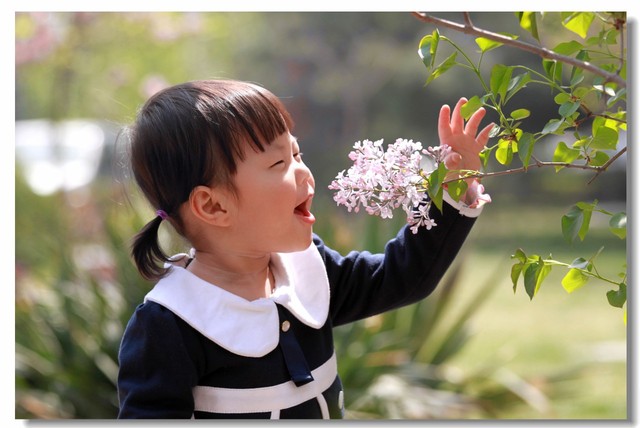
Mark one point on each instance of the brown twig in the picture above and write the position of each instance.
(541, 164)
(603, 168)
(469, 28)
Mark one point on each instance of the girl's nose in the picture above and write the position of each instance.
(304, 175)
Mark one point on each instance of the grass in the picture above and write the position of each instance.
(575, 341)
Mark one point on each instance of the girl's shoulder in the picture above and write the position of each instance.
(152, 315)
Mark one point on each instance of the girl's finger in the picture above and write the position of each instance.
(452, 160)
(444, 126)
(483, 136)
(474, 121)
(457, 122)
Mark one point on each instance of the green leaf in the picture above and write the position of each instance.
(577, 76)
(581, 263)
(529, 275)
(528, 22)
(586, 221)
(598, 158)
(553, 69)
(620, 95)
(443, 67)
(577, 73)
(552, 126)
(564, 154)
(568, 108)
(525, 147)
(504, 154)
(516, 270)
(579, 22)
(618, 224)
(587, 206)
(562, 98)
(573, 280)
(456, 189)
(520, 113)
(581, 92)
(484, 156)
(486, 45)
(518, 82)
(576, 222)
(520, 255)
(573, 223)
(583, 142)
(500, 78)
(568, 48)
(534, 275)
(604, 138)
(618, 298)
(471, 106)
(428, 47)
(434, 186)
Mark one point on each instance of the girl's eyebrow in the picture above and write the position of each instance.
(285, 145)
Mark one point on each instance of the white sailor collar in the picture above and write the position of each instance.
(249, 328)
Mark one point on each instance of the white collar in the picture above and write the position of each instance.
(249, 328)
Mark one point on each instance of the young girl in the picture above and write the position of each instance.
(242, 326)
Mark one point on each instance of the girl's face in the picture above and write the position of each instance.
(275, 189)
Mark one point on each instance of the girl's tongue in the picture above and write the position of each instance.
(304, 212)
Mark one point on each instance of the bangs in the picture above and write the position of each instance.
(243, 113)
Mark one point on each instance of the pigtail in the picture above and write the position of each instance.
(146, 252)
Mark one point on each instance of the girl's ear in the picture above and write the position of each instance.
(211, 205)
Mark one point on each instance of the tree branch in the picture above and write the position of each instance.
(540, 164)
(606, 165)
(469, 28)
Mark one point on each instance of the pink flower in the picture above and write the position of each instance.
(383, 181)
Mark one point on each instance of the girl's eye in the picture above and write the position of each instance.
(298, 155)
(280, 162)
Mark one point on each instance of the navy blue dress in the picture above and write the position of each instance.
(193, 350)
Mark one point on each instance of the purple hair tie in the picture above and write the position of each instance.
(162, 214)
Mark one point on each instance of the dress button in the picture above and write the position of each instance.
(285, 326)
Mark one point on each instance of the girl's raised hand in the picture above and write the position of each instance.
(462, 139)
(466, 147)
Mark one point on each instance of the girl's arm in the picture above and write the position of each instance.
(364, 284)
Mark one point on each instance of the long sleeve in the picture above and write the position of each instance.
(157, 369)
(365, 284)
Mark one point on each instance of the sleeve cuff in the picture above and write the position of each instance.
(463, 208)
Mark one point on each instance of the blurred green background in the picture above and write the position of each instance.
(473, 350)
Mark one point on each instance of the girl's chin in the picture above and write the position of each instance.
(299, 245)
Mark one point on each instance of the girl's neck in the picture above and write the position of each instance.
(247, 277)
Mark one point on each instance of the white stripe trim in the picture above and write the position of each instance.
(323, 406)
(258, 400)
(275, 414)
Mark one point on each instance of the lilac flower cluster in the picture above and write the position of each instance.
(382, 181)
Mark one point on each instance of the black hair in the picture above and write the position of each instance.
(194, 134)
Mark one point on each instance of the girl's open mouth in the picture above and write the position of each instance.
(303, 211)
